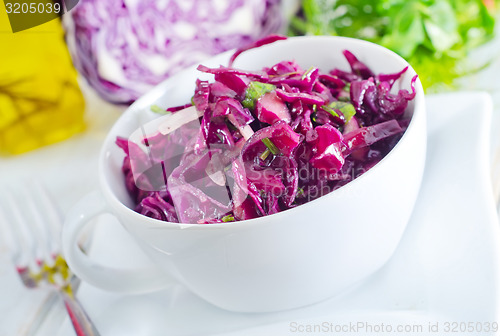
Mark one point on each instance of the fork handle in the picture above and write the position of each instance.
(81, 321)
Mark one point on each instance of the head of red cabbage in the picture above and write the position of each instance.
(266, 141)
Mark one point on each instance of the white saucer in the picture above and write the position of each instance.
(446, 269)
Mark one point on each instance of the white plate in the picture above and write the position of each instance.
(446, 269)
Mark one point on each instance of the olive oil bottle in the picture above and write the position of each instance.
(40, 100)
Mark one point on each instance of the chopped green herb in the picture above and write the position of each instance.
(313, 117)
(300, 192)
(347, 87)
(347, 109)
(228, 218)
(288, 74)
(306, 73)
(272, 147)
(265, 154)
(344, 98)
(156, 109)
(330, 110)
(221, 138)
(254, 91)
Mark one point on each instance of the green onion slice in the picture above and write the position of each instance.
(272, 147)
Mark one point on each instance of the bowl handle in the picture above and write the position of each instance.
(104, 277)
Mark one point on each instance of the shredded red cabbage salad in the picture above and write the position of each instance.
(265, 141)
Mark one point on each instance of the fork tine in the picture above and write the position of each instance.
(30, 255)
(53, 216)
(39, 226)
(10, 239)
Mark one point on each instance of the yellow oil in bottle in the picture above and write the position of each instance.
(40, 100)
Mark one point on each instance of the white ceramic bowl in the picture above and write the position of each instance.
(286, 260)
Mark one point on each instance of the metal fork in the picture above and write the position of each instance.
(32, 229)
